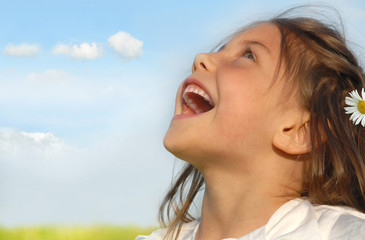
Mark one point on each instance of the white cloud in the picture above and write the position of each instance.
(30, 145)
(125, 45)
(49, 76)
(22, 50)
(83, 51)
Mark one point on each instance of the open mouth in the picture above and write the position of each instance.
(196, 100)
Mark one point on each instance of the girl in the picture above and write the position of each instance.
(272, 125)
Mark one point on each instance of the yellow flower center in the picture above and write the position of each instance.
(361, 107)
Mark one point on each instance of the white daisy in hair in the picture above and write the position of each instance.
(356, 107)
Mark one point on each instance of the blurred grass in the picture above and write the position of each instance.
(73, 233)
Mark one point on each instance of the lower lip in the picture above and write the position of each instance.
(181, 116)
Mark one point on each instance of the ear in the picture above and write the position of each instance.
(293, 135)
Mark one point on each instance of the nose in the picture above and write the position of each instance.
(204, 62)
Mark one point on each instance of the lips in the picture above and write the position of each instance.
(195, 98)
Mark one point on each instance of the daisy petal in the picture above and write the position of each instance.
(352, 94)
(351, 101)
(350, 110)
(353, 117)
(359, 119)
(356, 94)
(363, 121)
(357, 115)
(363, 94)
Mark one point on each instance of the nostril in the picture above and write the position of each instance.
(203, 65)
(203, 62)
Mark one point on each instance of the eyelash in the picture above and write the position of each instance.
(248, 50)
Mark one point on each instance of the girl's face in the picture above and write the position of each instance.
(235, 109)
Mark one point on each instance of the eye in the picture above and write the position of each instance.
(247, 53)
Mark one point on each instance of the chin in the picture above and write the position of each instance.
(185, 147)
(174, 143)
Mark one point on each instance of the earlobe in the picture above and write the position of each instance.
(295, 138)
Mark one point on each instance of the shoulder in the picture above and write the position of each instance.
(339, 222)
(156, 235)
(300, 220)
(187, 230)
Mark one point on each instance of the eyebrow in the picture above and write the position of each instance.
(249, 42)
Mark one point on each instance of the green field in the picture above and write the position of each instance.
(73, 233)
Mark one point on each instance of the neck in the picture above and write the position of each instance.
(236, 203)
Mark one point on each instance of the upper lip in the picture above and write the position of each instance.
(196, 82)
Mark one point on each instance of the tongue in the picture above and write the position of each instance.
(196, 103)
(187, 110)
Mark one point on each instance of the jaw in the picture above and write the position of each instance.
(187, 135)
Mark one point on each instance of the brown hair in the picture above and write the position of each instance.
(323, 69)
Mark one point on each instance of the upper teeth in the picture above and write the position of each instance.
(197, 90)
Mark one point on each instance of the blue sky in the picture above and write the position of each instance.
(87, 92)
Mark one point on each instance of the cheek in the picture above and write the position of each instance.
(239, 126)
(239, 101)
(241, 84)
(241, 119)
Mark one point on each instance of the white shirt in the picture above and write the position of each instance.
(297, 219)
